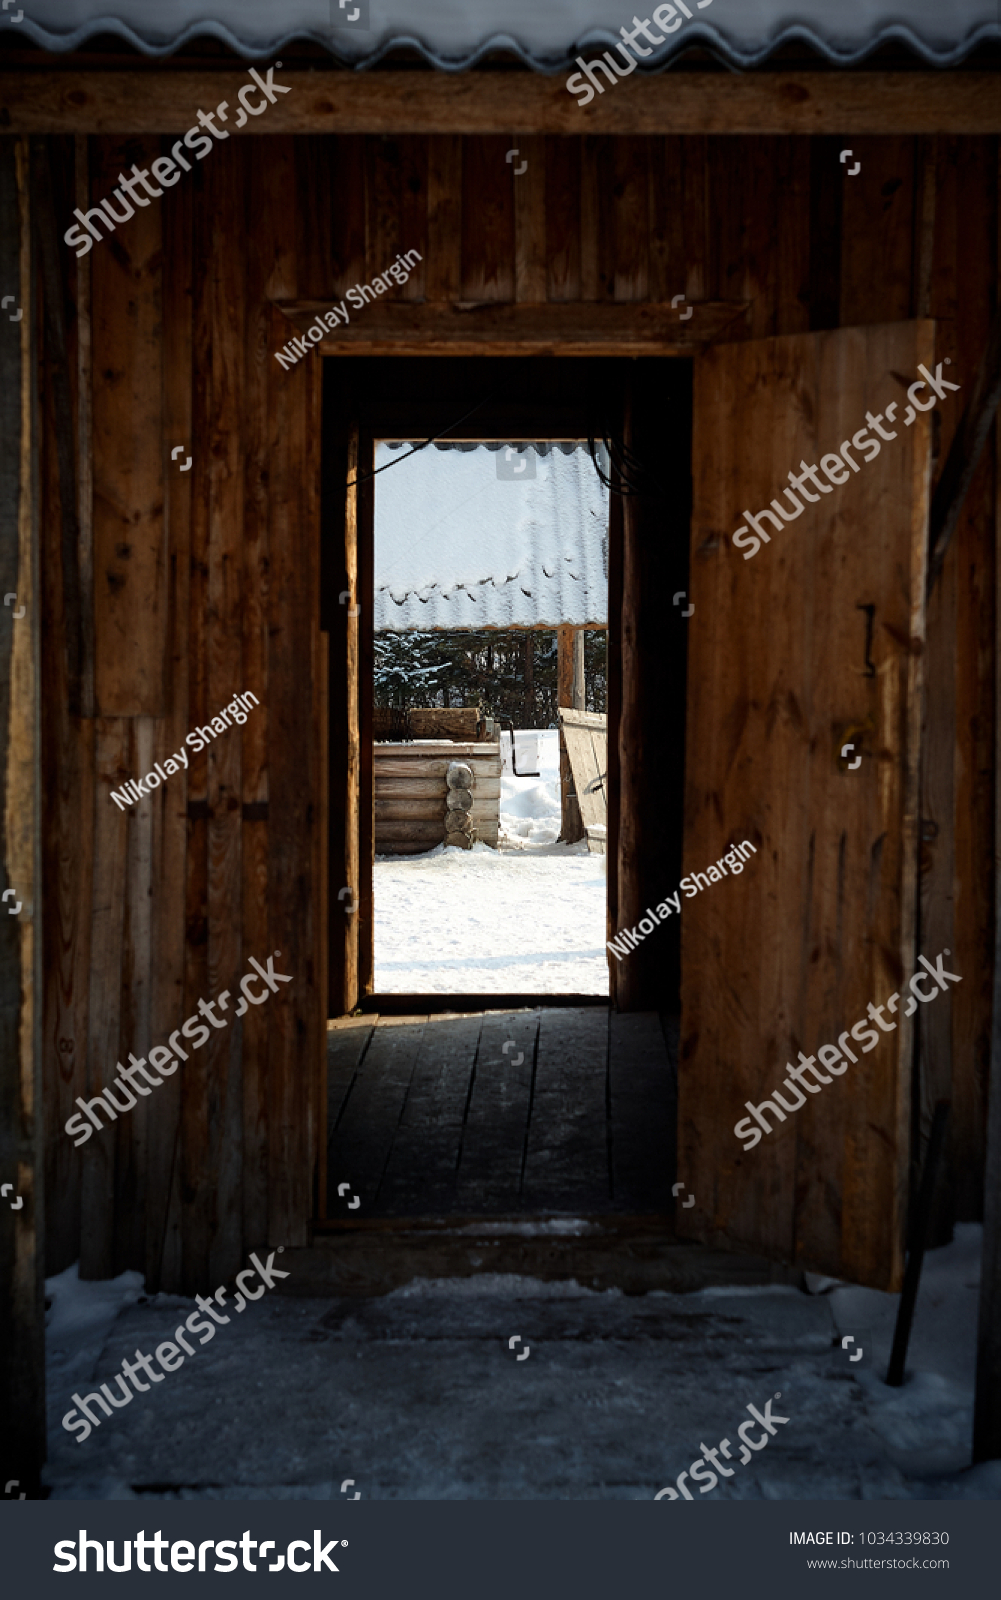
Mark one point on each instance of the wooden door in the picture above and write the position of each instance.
(796, 649)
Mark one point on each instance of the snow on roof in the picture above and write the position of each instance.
(458, 546)
(453, 34)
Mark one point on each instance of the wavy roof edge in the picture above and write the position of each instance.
(700, 33)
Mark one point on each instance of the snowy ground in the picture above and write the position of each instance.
(417, 1396)
(528, 917)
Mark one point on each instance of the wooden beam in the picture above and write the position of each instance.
(22, 1316)
(987, 1395)
(964, 452)
(502, 328)
(150, 100)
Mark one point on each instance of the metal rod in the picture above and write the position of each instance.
(916, 1254)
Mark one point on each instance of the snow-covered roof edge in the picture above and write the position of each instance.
(454, 37)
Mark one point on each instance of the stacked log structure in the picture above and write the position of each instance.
(412, 789)
(459, 827)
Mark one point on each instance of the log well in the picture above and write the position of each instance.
(411, 789)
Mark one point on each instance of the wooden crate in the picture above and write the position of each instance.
(410, 790)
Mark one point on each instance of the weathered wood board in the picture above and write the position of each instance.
(586, 737)
(787, 956)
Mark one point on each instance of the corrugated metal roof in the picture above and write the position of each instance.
(454, 34)
(459, 546)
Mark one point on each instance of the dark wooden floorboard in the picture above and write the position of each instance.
(493, 1139)
(566, 1166)
(433, 1117)
(421, 1172)
(364, 1135)
(641, 1083)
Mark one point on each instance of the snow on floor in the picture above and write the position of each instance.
(416, 1394)
(529, 916)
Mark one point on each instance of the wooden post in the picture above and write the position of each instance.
(572, 827)
(22, 1384)
(579, 684)
(987, 1397)
(529, 678)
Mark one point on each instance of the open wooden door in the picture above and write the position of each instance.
(810, 643)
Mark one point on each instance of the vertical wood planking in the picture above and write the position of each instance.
(130, 574)
(792, 235)
(414, 211)
(631, 201)
(164, 1259)
(529, 218)
(563, 231)
(198, 1092)
(222, 429)
(294, 781)
(443, 273)
(22, 1384)
(271, 273)
(487, 221)
(113, 765)
(597, 241)
(877, 213)
(67, 819)
(382, 203)
(974, 165)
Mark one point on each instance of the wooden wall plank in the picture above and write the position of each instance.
(971, 294)
(67, 820)
(530, 222)
(164, 1256)
(294, 788)
(22, 1383)
(443, 273)
(487, 221)
(129, 552)
(224, 204)
(113, 760)
(631, 272)
(414, 211)
(877, 220)
(563, 202)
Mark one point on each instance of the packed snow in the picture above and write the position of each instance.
(415, 1396)
(528, 917)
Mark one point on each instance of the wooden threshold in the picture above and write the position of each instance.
(144, 99)
(550, 328)
(635, 1254)
(416, 1005)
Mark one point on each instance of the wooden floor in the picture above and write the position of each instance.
(557, 1110)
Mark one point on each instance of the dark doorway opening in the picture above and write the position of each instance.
(429, 1115)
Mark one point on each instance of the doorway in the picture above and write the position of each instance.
(463, 1103)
